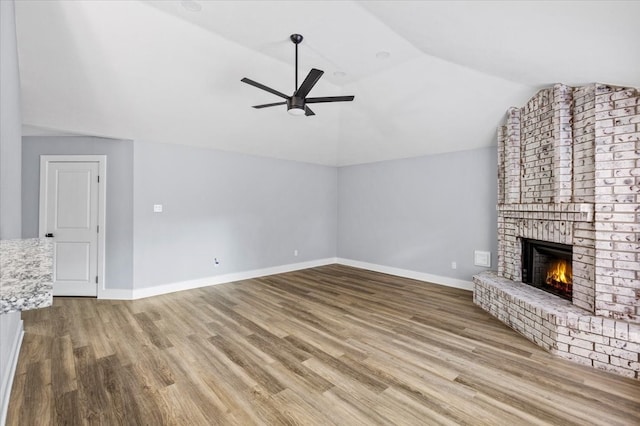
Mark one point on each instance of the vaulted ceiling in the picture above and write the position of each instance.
(428, 77)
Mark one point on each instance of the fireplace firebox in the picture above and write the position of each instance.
(548, 266)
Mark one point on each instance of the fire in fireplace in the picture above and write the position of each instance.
(547, 266)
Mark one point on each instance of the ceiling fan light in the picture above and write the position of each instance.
(296, 111)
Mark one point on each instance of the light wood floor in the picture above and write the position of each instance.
(329, 345)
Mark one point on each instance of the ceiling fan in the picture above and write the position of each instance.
(297, 103)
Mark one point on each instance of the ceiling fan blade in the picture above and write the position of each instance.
(269, 105)
(329, 99)
(263, 87)
(308, 112)
(308, 83)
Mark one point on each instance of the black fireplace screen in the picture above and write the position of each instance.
(547, 266)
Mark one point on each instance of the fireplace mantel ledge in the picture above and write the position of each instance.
(583, 211)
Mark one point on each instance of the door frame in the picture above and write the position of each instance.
(102, 204)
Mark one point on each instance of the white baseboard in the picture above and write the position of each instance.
(115, 294)
(7, 379)
(406, 273)
(140, 293)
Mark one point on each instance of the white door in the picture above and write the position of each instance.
(69, 214)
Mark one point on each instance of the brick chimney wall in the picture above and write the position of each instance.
(569, 172)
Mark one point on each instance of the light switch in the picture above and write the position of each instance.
(482, 258)
(157, 208)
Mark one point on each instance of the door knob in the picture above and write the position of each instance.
(49, 235)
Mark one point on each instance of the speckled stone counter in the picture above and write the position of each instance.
(26, 273)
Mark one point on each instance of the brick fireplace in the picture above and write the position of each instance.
(569, 174)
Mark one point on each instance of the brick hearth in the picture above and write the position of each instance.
(569, 164)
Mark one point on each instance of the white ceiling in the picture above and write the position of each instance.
(155, 71)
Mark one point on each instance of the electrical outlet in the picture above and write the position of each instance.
(157, 208)
(295, 252)
(216, 262)
(454, 265)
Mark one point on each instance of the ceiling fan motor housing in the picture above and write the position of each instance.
(295, 102)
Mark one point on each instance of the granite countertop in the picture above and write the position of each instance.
(26, 274)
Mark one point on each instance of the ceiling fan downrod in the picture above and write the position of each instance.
(296, 39)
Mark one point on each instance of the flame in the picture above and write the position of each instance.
(560, 272)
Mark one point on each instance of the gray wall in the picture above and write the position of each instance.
(249, 212)
(10, 126)
(421, 213)
(119, 220)
(10, 214)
